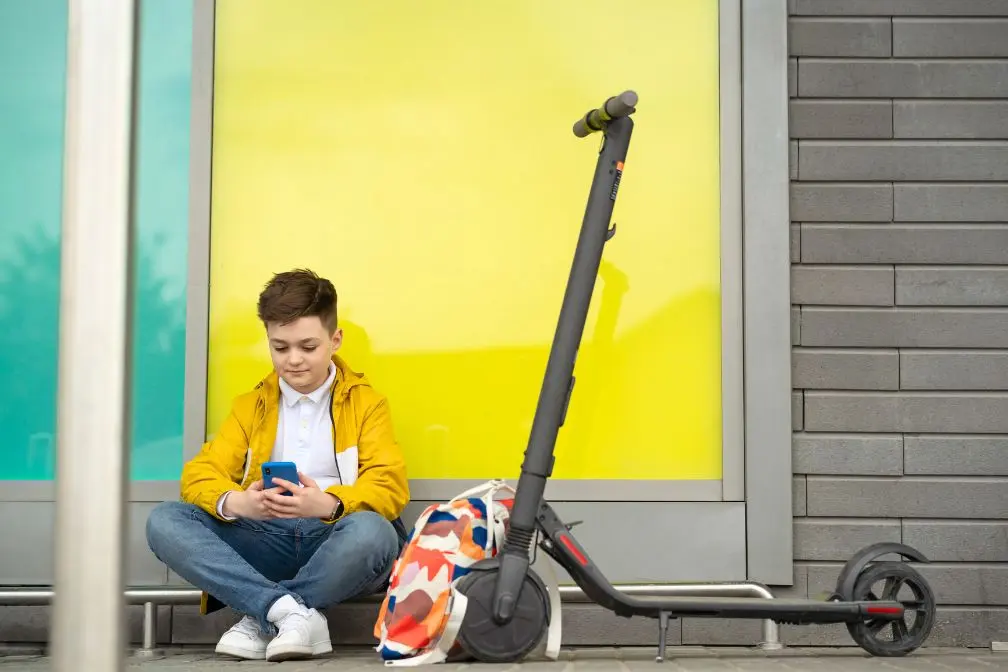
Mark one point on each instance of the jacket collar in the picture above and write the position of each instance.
(341, 380)
(291, 396)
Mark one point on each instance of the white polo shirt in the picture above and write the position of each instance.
(305, 435)
(305, 432)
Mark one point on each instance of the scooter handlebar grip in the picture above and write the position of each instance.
(618, 106)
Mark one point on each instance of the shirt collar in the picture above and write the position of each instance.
(292, 396)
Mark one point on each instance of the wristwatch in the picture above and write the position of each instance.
(337, 511)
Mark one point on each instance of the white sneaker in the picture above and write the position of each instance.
(303, 633)
(244, 640)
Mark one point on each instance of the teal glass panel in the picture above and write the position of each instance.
(32, 72)
(32, 69)
(165, 68)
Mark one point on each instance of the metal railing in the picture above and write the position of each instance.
(151, 597)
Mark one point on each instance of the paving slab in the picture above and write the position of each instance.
(679, 659)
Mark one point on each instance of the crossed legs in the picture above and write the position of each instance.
(278, 573)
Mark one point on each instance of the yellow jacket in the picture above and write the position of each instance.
(233, 459)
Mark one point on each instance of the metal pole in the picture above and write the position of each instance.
(94, 371)
(150, 622)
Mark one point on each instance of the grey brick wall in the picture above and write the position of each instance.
(899, 224)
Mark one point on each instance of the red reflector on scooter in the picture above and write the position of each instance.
(884, 610)
(569, 545)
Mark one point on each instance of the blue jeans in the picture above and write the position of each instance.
(249, 564)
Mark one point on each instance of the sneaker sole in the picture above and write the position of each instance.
(298, 652)
(244, 654)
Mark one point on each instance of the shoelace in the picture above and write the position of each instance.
(295, 621)
(248, 626)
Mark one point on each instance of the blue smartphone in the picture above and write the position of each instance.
(285, 470)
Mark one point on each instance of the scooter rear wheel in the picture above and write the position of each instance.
(918, 603)
(485, 639)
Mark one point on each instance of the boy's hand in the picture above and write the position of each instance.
(251, 503)
(307, 501)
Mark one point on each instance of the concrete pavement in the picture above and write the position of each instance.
(681, 659)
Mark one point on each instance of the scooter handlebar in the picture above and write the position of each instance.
(618, 106)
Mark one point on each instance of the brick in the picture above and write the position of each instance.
(949, 38)
(348, 624)
(905, 327)
(799, 587)
(825, 369)
(847, 454)
(822, 577)
(922, 412)
(798, 495)
(795, 243)
(950, 370)
(957, 540)
(854, 37)
(959, 583)
(907, 497)
(841, 119)
(21, 625)
(904, 244)
(793, 159)
(870, 78)
(830, 635)
(842, 285)
(903, 160)
(591, 625)
(901, 7)
(951, 286)
(951, 202)
(795, 325)
(709, 632)
(955, 627)
(797, 411)
(792, 75)
(950, 119)
(959, 628)
(838, 539)
(954, 455)
(841, 202)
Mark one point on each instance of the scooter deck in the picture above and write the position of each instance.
(780, 610)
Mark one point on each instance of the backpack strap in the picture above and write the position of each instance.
(553, 635)
(446, 641)
(490, 487)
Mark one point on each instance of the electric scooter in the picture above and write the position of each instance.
(508, 605)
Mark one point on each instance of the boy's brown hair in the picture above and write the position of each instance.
(299, 293)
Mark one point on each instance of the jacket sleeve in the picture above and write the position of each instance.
(381, 484)
(218, 468)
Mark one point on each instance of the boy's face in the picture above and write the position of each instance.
(301, 351)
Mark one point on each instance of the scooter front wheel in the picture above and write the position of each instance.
(491, 642)
(919, 603)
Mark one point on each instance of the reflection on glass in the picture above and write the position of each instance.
(32, 68)
(162, 241)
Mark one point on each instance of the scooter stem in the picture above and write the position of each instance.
(558, 381)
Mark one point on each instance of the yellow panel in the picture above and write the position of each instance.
(420, 155)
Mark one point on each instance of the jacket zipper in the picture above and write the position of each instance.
(332, 422)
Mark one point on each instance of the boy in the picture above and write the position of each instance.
(278, 558)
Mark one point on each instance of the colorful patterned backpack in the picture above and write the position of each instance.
(422, 612)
